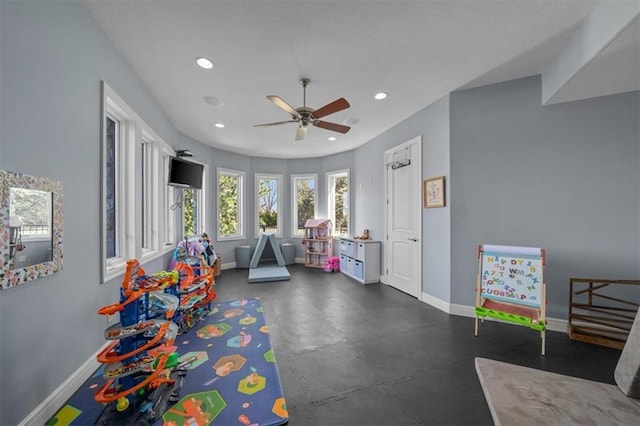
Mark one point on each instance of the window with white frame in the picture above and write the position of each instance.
(192, 211)
(168, 193)
(268, 213)
(338, 204)
(304, 193)
(146, 195)
(134, 167)
(230, 204)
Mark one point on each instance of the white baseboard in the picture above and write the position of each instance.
(436, 303)
(59, 397)
(299, 260)
(553, 324)
(229, 265)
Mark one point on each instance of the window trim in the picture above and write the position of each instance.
(199, 195)
(241, 177)
(294, 200)
(331, 200)
(279, 178)
(132, 131)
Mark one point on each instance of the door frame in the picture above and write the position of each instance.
(417, 140)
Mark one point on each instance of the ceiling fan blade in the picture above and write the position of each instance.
(330, 108)
(279, 102)
(275, 123)
(332, 126)
(301, 133)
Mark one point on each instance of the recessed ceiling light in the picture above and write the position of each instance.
(204, 62)
(332, 138)
(219, 125)
(212, 100)
(380, 95)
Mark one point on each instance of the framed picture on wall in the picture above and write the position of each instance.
(433, 192)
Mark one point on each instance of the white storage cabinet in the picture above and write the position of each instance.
(360, 259)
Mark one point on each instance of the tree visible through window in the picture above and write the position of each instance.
(338, 184)
(268, 207)
(304, 194)
(190, 206)
(228, 203)
(269, 217)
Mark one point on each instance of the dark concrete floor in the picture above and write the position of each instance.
(350, 354)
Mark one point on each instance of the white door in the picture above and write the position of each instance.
(403, 248)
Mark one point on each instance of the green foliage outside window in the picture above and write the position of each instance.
(306, 202)
(341, 203)
(228, 204)
(189, 212)
(267, 210)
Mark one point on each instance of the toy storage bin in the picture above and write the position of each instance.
(343, 262)
(243, 257)
(358, 270)
(289, 253)
(348, 248)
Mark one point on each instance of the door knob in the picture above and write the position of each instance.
(413, 239)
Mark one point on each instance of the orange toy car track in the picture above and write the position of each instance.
(108, 355)
(107, 393)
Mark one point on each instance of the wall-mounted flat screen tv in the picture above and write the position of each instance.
(185, 174)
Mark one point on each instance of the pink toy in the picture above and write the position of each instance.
(332, 264)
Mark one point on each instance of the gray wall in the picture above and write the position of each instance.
(53, 58)
(563, 177)
(577, 163)
(432, 123)
(215, 158)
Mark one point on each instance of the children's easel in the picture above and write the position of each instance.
(510, 286)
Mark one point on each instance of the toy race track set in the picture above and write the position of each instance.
(140, 366)
(226, 374)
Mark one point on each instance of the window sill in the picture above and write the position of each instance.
(117, 268)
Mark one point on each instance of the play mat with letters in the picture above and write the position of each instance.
(231, 377)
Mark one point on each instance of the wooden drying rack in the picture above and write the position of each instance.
(600, 318)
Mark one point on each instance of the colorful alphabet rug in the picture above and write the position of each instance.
(231, 378)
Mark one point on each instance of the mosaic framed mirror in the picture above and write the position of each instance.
(31, 219)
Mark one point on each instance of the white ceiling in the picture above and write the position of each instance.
(417, 51)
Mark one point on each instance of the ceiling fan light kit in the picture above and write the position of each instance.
(306, 116)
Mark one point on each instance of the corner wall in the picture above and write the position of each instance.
(432, 124)
(53, 56)
(563, 177)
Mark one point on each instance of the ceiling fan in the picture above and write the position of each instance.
(305, 116)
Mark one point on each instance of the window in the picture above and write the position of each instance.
(111, 166)
(269, 208)
(230, 204)
(168, 193)
(146, 195)
(338, 202)
(136, 216)
(304, 193)
(192, 212)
